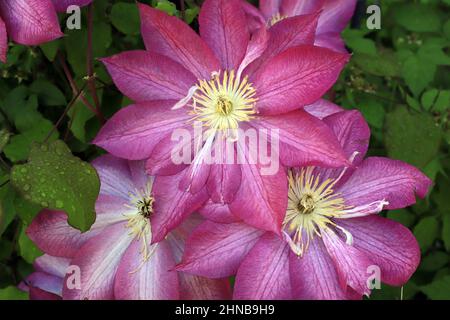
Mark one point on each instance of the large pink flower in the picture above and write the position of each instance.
(332, 239)
(115, 258)
(211, 79)
(333, 17)
(31, 22)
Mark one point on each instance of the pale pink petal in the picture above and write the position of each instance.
(30, 22)
(153, 279)
(98, 260)
(133, 132)
(256, 47)
(200, 288)
(351, 264)
(335, 16)
(172, 204)
(314, 276)
(323, 108)
(218, 212)
(173, 38)
(43, 286)
(331, 41)
(3, 41)
(299, 7)
(216, 250)
(382, 179)
(224, 28)
(144, 76)
(255, 19)
(138, 175)
(269, 7)
(55, 266)
(61, 5)
(115, 176)
(264, 273)
(304, 140)
(390, 245)
(297, 77)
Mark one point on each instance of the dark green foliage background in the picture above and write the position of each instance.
(398, 78)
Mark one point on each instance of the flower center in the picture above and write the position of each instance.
(223, 102)
(276, 18)
(312, 205)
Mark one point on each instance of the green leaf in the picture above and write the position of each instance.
(439, 289)
(446, 231)
(429, 98)
(432, 53)
(28, 250)
(166, 6)
(125, 18)
(12, 293)
(442, 102)
(417, 74)
(411, 137)
(373, 112)
(434, 261)
(384, 64)
(4, 138)
(53, 178)
(48, 93)
(402, 216)
(417, 17)
(426, 231)
(50, 49)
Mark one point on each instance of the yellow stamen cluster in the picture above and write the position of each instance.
(276, 18)
(224, 101)
(311, 206)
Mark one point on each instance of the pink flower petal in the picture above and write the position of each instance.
(55, 266)
(391, 246)
(149, 280)
(300, 7)
(255, 19)
(216, 250)
(173, 38)
(331, 41)
(269, 7)
(335, 16)
(133, 132)
(98, 260)
(200, 288)
(352, 265)
(314, 276)
(3, 41)
(43, 286)
(144, 76)
(304, 140)
(288, 33)
(264, 273)
(30, 22)
(115, 176)
(380, 179)
(172, 205)
(224, 28)
(61, 5)
(322, 109)
(218, 212)
(297, 77)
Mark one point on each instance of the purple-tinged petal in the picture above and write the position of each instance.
(200, 288)
(295, 7)
(216, 250)
(173, 38)
(314, 276)
(40, 294)
(133, 132)
(114, 174)
(98, 260)
(352, 265)
(224, 28)
(62, 5)
(256, 47)
(53, 235)
(266, 207)
(55, 266)
(172, 205)
(264, 273)
(255, 19)
(144, 76)
(297, 77)
(30, 22)
(269, 8)
(44, 286)
(335, 16)
(138, 175)
(331, 41)
(304, 140)
(391, 246)
(288, 33)
(218, 212)
(3, 41)
(322, 109)
(153, 279)
(382, 179)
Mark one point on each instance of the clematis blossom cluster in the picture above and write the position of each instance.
(31, 22)
(165, 230)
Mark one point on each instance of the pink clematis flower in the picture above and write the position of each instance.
(334, 17)
(213, 79)
(115, 258)
(332, 239)
(31, 22)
